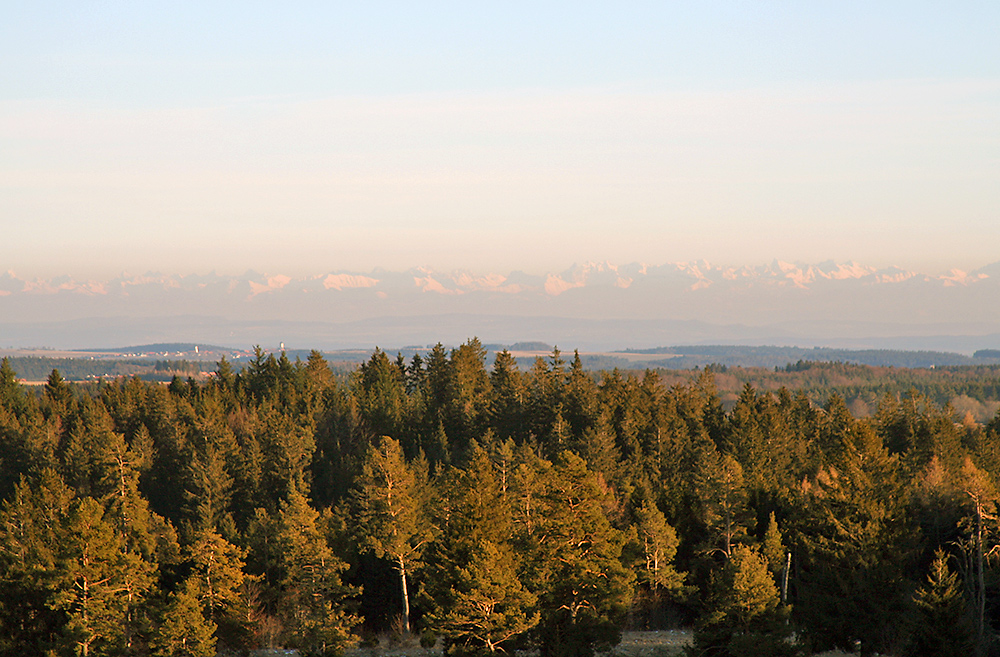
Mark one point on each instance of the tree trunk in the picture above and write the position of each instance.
(980, 582)
(784, 578)
(406, 595)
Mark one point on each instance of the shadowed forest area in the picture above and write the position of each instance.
(486, 507)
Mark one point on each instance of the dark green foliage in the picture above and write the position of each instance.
(743, 615)
(391, 508)
(583, 587)
(478, 602)
(542, 509)
(508, 408)
(855, 548)
(307, 597)
(182, 630)
(943, 627)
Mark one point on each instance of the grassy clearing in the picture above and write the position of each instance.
(663, 643)
(660, 643)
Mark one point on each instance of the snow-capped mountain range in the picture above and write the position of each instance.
(823, 301)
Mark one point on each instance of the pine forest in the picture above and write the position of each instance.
(488, 507)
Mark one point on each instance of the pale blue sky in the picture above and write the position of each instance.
(308, 137)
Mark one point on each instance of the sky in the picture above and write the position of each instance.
(301, 138)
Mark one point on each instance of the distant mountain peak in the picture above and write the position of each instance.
(692, 290)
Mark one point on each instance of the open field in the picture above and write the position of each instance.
(660, 643)
(656, 643)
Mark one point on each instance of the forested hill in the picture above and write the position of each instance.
(488, 507)
(967, 390)
(973, 389)
(686, 357)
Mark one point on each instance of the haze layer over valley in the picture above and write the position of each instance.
(592, 305)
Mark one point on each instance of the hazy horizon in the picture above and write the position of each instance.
(319, 270)
(228, 137)
(596, 304)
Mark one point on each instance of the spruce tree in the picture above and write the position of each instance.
(183, 630)
(479, 602)
(743, 616)
(93, 573)
(392, 520)
(659, 545)
(943, 627)
(312, 599)
(508, 411)
(855, 548)
(30, 525)
(216, 579)
(583, 588)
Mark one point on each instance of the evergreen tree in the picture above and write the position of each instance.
(856, 546)
(286, 450)
(212, 453)
(580, 409)
(582, 586)
(772, 547)
(311, 600)
(722, 500)
(470, 390)
(92, 574)
(12, 397)
(982, 503)
(659, 545)
(743, 617)
(380, 390)
(30, 525)
(508, 400)
(217, 580)
(225, 379)
(391, 516)
(479, 602)
(58, 393)
(943, 627)
(183, 630)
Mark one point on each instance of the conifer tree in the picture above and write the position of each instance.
(659, 545)
(855, 548)
(580, 398)
(583, 588)
(286, 450)
(982, 502)
(508, 400)
(943, 627)
(381, 394)
(392, 520)
(212, 453)
(8, 381)
(599, 449)
(93, 573)
(58, 393)
(722, 499)
(12, 396)
(30, 522)
(217, 580)
(479, 602)
(311, 598)
(744, 617)
(470, 390)
(183, 630)
(772, 548)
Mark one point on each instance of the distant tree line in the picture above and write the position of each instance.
(38, 368)
(487, 507)
(687, 357)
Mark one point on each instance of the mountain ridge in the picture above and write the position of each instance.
(698, 275)
(673, 303)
